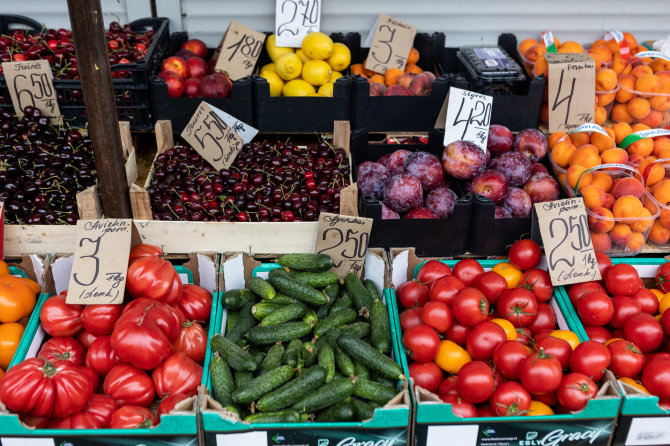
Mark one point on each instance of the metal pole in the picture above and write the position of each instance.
(96, 80)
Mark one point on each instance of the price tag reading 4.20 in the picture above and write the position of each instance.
(30, 83)
(345, 239)
(101, 261)
(567, 241)
(238, 50)
(391, 44)
(572, 86)
(294, 19)
(468, 117)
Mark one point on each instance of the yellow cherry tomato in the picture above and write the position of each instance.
(506, 325)
(664, 303)
(566, 335)
(609, 341)
(636, 384)
(658, 293)
(451, 357)
(538, 409)
(510, 273)
(10, 336)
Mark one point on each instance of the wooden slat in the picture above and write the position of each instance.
(342, 135)
(139, 201)
(349, 200)
(88, 203)
(164, 138)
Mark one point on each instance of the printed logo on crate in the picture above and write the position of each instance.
(328, 437)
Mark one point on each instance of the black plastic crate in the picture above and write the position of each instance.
(490, 236)
(132, 94)
(180, 110)
(430, 237)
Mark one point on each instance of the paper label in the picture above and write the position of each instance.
(462, 435)
(590, 128)
(493, 57)
(391, 44)
(571, 91)
(624, 49)
(30, 83)
(567, 241)
(294, 19)
(27, 441)
(549, 42)
(238, 50)
(345, 239)
(652, 54)
(648, 431)
(468, 116)
(634, 137)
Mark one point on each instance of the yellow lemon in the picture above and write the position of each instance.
(326, 89)
(298, 87)
(276, 82)
(341, 57)
(288, 66)
(335, 75)
(301, 54)
(316, 72)
(317, 46)
(275, 51)
(268, 67)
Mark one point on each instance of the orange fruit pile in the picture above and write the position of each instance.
(391, 76)
(644, 93)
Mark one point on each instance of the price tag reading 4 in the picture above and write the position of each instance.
(30, 83)
(345, 239)
(468, 117)
(391, 44)
(572, 87)
(567, 241)
(238, 50)
(100, 261)
(294, 19)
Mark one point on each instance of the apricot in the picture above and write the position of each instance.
(643, 147)
(627, 206)
(626, 87)
(641, 70)
(660, 103)
(601, 180)
(636, 243)
(554, 138)
(630, 39)
(576, 176)
(602, 142)
(648, 83)
(659, 65)
(376, 78)
(601, 242)
(609, 201)
(600, 115)
(606, 79)
(414, 56)
(525, 44)
(655, 173)
(638, 108)
(562, 152)
(413, 68)
(661, 191)
(570, 46)
(644, 223)
(597, 59)
(391, 76)
(600, 220)
(605, 99)
(594, 197)
(621, 130)
(664, 217)
(627, 186)
(664, 76)
(620, 113)
(580, 138)
(634, 160)
(586, 155)
(602, 51)
(621, 234)
(655, 117)
(613, 45)
(615, 155)
(661, 142)
(541, 67)
(658, 235)
(619, 65)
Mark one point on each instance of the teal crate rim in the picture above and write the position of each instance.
(485, 263)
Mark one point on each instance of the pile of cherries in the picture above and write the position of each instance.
(42, 167)
(267, 182)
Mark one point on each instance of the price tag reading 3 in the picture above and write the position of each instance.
(30, 83)
(100, 261)
(567, 241)
(345, 239)
(391, 44)
(294, 19)
(468, 117)
(572, 86)
(238, 50)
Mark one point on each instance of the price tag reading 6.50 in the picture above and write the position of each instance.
(345, 239)
(391, 43)
(30, 84)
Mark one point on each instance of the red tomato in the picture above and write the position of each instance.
(656, 378)
(421, 343)
(101, 356)
(647, 300)
(557, 348)
(448, 387)
(545, 318)
(508, 358)
(99, 319)
(467, 270)
(177, 374)
(540, 373)
(470, 306)
(432, 270)
(663, 277)
(460, 407)
(665, 322)
(128, 385)
(458, 333)
(525, 254)
(575, 391)
(622, 279)
(599, 334)
(624, 307)
(578, 290)
(153, 278)
(45, 389)
(86, 339)
(412, 294)
(59, 318)
(510, 399)
(525, 336)
(604, 262)
(590, 358)
(79, 420)
(548, 398)
(169, 403)
(410, 318)
(627, 359)
(132, 417)
(483, 340)
(644, 331)
(192, 340)
(445, 289)
(538, 282)
(437, 315)
(196, 302)
(92, 376)
(475, 382)
(595, 308)
(492, 285)
(517, 305)
(101, 408)
(144, 250)
(427, 375)
(63, 349)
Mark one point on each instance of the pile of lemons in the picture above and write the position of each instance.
(309, 70)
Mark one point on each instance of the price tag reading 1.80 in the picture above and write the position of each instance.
(238, 51)
(294, 19)
(345, 239)
(30, 84)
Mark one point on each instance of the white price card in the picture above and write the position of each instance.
(571, 89)
(391, 43)
(467, 117)
(31, 83)
(345, 239)
(294, 19)
(462, 435)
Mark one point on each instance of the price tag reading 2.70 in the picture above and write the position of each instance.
(30, 84)
(567, 241)
(294, 19)
(391, 44)
(345, 239)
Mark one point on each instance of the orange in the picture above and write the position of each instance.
(586, 155)
(412, 68)
(356, 69)
(413, 57)
(627, 206)
(10, 336)
(391, 76)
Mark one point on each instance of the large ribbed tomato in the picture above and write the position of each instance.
(79, 420)
(99, 319)
(129, 385)
(144, 250)
(178, 374)
(101, 407)
(155, 278)
(59, 318)
(63, 349)
(192, 340)
(196, 302)
(132, 417)
(101, 356)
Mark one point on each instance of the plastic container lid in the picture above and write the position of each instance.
(490, 64)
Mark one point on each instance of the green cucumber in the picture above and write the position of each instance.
(335, 320)
(245, 320)
(292, 353)
(357, 329)
(338, 413)
(363, 409)
(272, 359)
(223, 384)
(317, 280)
(332, 291)
(376, 377)
(262, 288)
(372, 289)
(277, 333)
(359, 295)
(235, 299)
(283, 282)
(285, 314)
(381, 327)
(242, 377)
(257, 354)
(291, 392)
(306, 262)
(369, 357)
(230, 320)
(344, 363)
(327, 395)
(326, 359)
(374, 391)
(236, 358)
(283, 416)
(311, 318)
(361, 371)
(258, 387)
(263, 309)
(308, 354)
(281, 298)
(344, 302)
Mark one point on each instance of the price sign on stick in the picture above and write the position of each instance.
(238, 50)
(101, 261)
(567, 241)
(294, 19)
(30, 83)
(466, 115)
(391, 42)
(345, 239)
(572, 86)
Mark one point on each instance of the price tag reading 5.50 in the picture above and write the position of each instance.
(567, 241)
(239, 50)
(345, 239)
(391, 44)
(294, 19)
(571, 88)
(468, 117)
(30, 84)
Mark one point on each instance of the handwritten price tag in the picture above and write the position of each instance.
(30, 83)
(238, 50)
(345, 239)
(572, 86)
(294, 19)
(391, 42)
(467, 117)
(567, 241)
(101, 261)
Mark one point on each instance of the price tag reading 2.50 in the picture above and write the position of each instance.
(391, 44)
(468, 117)
(567, 241)
(30, 84)
(345, 239)
(294, 19)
